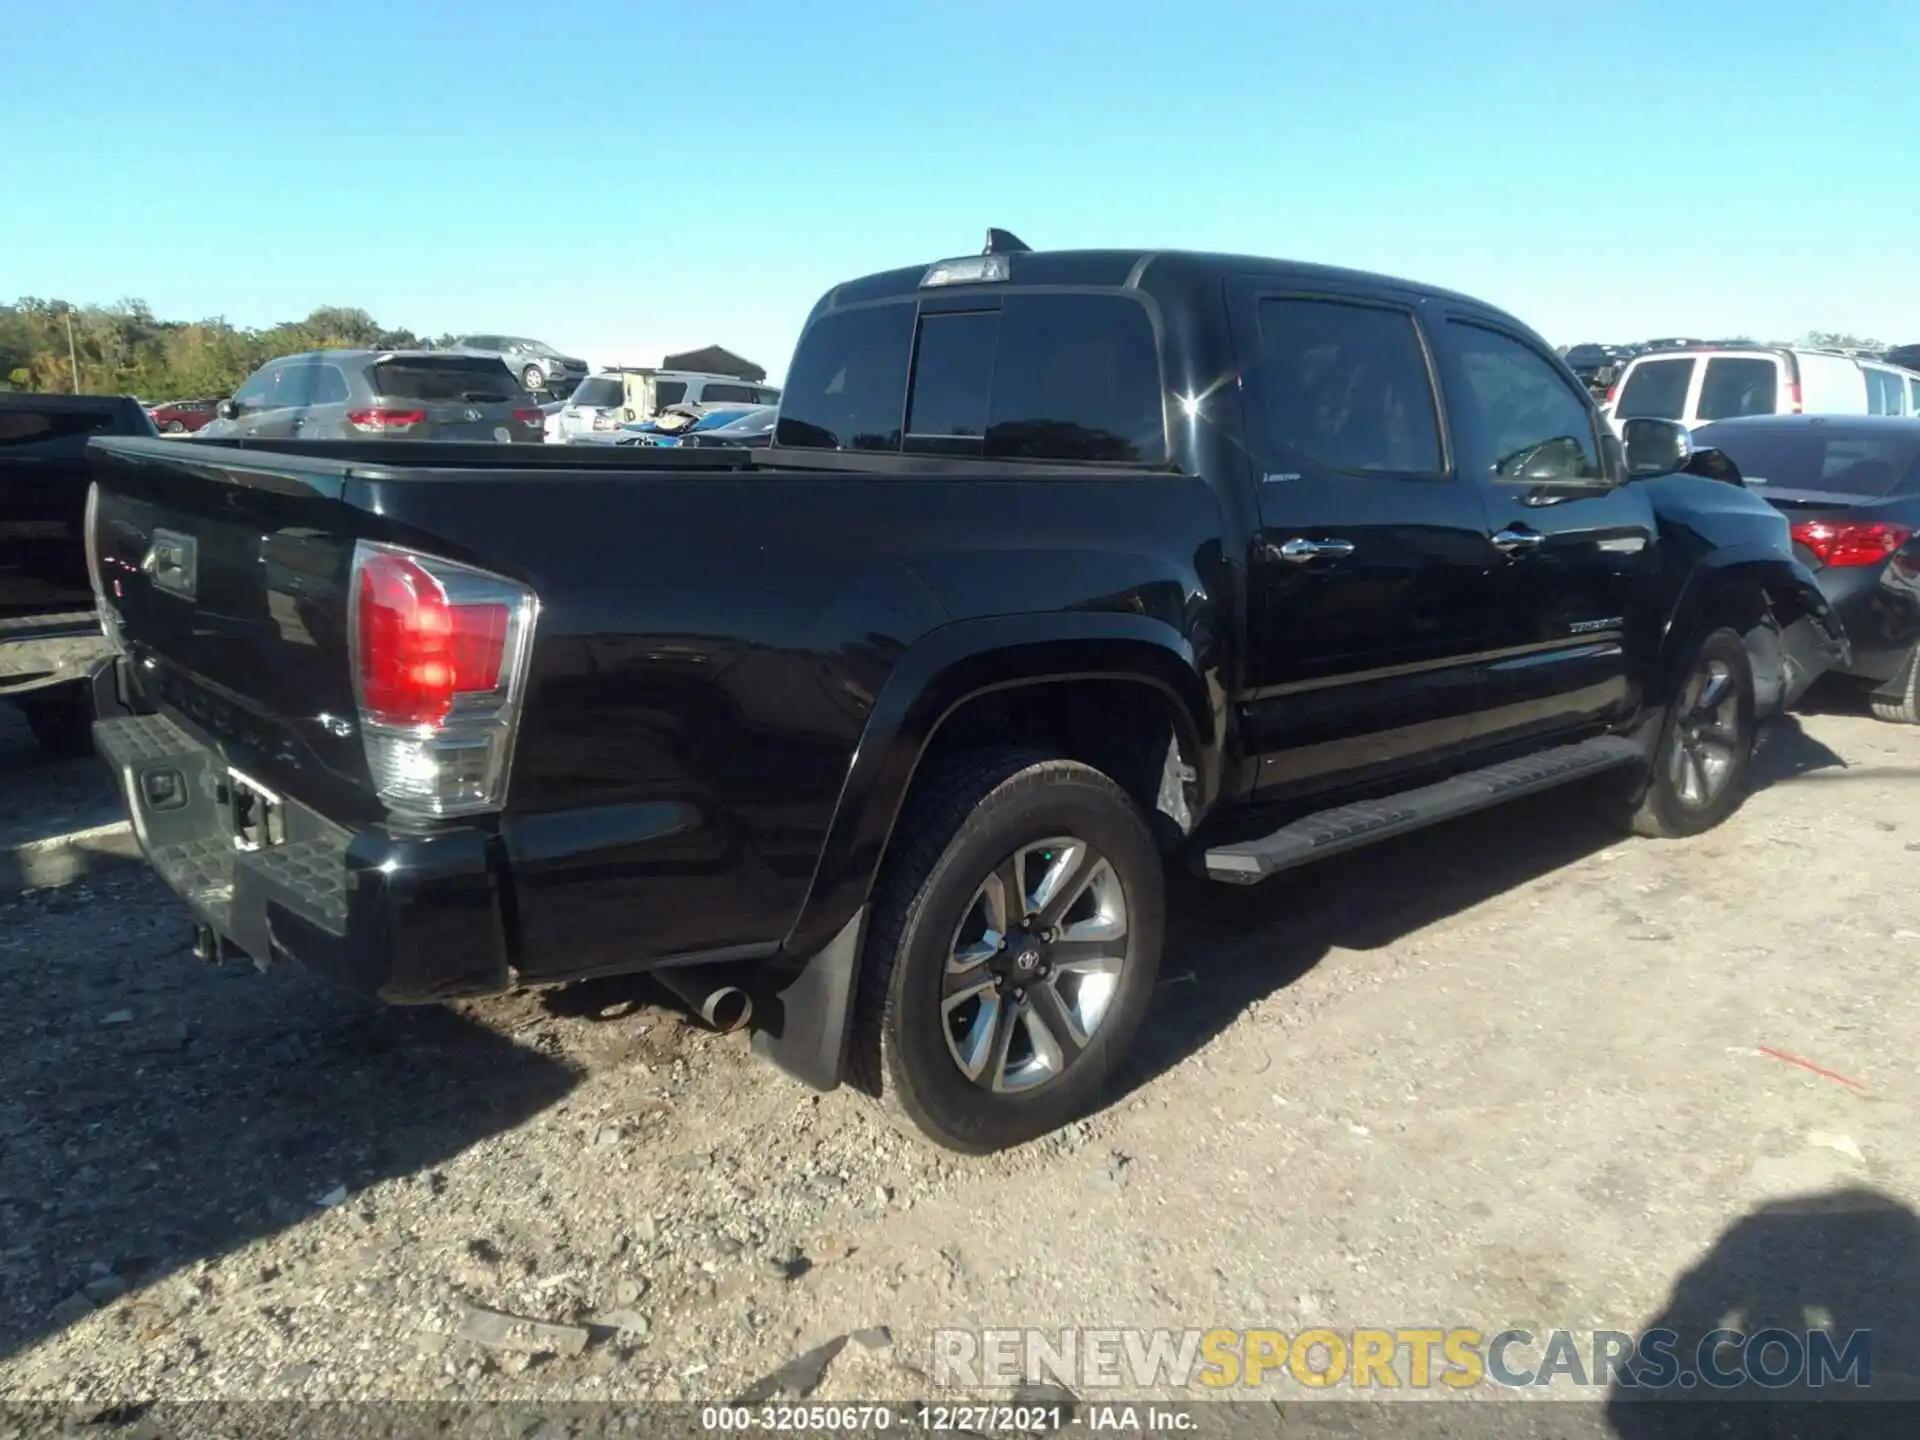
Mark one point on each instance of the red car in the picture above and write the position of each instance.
(182, 417)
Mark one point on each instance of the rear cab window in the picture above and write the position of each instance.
(445, 379)
(1024, 376)
(1656, 390)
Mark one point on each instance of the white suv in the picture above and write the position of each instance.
(604, 402)
(1698, 385)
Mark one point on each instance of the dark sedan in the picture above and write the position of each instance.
(1849, 486)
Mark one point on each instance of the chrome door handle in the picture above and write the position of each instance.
(1515, 542)
(1299, 549)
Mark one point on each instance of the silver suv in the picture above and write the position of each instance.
(540, 367)
(379, 395)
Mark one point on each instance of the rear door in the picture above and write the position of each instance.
(1368, 579)
(1655, 388)
(1736, 385)
(1572, 542)
(447, 397)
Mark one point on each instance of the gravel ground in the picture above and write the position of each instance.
(1508, 1072)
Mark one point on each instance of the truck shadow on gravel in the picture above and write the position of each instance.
(155, 1112)
(1228, 948)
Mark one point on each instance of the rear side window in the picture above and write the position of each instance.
(1655, 390)
(445, 379)
(1739, 386)
(329, 386)
(1348, 385)
(599, 391)
(730, 393)
(1886, 393)
(1043, 377)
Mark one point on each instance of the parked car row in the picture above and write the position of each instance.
(638, 395)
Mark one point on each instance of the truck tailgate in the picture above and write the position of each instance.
(229, 583)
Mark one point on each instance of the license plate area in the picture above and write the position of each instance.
(256, 816)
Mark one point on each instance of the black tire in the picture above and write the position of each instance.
(61, 719)
(1903, 708)
(965, 820)
(1672, 799)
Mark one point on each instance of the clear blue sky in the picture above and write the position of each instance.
(625, 178)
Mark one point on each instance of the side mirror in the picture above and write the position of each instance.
(1656, 447)
(226, 410)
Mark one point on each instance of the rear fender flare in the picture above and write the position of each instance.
(960, 662)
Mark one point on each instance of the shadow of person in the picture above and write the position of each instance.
(1816, 1301)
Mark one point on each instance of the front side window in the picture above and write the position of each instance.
(1525, 423)
(1347, 384)
(1739, 385)
(1656, 390)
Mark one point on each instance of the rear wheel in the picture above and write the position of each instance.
(1014, 941)
(61, 719)
(175, 427)
(1699, 769)
(534, 381)
(1902, 705)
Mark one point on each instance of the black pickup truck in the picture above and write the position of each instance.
(49, 635)
(1061, 564)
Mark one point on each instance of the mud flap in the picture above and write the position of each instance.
(804, 1019)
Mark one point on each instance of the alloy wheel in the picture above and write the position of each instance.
(1034, 964)
(1705, 750)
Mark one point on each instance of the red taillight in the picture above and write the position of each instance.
(382, 418)
(1613, 392)
(1793, 397)
(440, 651)
(1850, 542)
(530, 417)
(417, 650)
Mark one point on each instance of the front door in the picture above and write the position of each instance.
(1370, 566)
(1574, 541)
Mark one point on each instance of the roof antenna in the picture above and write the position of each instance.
(1004, 242)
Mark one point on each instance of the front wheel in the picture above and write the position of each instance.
(1699, 767)
(1013, 946)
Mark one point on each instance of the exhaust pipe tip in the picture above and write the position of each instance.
(727, 1009)
(722, 1006)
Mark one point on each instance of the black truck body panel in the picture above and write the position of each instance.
(741, 658)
